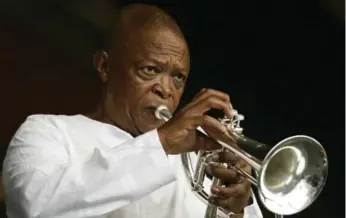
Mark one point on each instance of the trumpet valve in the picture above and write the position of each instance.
(241, 117)
(197, 187)
(235, 112)
(238, 129)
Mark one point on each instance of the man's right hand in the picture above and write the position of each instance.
(178, 135)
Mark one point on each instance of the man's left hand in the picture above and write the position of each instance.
(236, 195)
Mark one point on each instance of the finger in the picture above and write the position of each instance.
(226, 175)
(207, 94)
(231, 190)
(241, 166)
(229, 157)
(222, 202)
(225, 192)
(219, 156)
(233, 160)
(210, 124)
(199, 94)
(206, 143)
(225, 200)
(215, 128)
(213, 102)
(230, 174)
(193, 122)
(212, 127)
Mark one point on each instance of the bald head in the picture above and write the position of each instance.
(137, 19)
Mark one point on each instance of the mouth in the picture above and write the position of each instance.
(152, 109)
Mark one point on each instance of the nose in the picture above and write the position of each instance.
(163, 88)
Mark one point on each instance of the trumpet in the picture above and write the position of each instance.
(289, 176)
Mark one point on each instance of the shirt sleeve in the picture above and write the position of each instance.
(41, 180)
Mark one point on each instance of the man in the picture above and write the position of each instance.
(121, 161)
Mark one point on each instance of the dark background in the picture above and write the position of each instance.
(282, 63)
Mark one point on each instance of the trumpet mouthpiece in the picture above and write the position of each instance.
(162, 113)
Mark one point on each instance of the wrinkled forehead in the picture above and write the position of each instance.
(161, 42)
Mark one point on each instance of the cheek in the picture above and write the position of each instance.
(177, 97)
(133, 84)
(138, 90)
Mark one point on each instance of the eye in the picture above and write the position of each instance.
(179, 77)
(149, 70)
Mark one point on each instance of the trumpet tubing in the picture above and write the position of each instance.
(289, 176)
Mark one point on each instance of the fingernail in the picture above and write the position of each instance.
(215, 190)
(212, 200)
(214, 164)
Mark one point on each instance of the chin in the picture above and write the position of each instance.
(146, 122)
(149, 126)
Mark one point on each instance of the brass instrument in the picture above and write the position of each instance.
(289, 176)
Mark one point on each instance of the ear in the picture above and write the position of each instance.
(101, 65)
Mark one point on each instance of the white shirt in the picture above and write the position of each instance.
(75, 167)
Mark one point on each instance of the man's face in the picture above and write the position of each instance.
(150, 71)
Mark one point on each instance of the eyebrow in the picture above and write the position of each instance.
(165, 64)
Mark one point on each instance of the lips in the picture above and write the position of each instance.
(151, 110)
(153, 107)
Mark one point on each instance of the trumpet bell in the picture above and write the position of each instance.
(292, 175)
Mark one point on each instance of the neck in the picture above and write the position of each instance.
(100, 115)
(103, 114)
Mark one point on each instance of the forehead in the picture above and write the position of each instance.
(161, 44)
